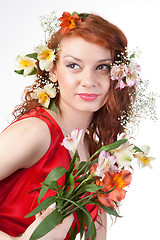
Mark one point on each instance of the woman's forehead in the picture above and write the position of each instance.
(80, 48)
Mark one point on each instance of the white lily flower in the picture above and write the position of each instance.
(142, 158)
(50, 90)
(71, 141)
(46, 56)
(133, 67)
(124, 153)
(133, 79)
(105, 164)
(44, 95)
(25, 63)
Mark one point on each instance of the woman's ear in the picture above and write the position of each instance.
(53, 74)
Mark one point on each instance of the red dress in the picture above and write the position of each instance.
(16, 200)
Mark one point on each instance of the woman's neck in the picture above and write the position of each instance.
(69, 119)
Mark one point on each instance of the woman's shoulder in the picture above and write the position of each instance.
(23, 144)
(37, 121)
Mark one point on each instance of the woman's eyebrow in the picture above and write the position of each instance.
(78, 59)
(104, 60)
(75, 58)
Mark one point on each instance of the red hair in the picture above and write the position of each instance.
(106, 122)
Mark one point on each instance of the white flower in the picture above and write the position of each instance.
(46, 56)
(142, 158)
(133, 79)
(25, 63)
(105, 164)
(124, 153)
(71, 141)
(121, 136)
(44, 94)
(133, 67)
(118, 72)
(134, 52)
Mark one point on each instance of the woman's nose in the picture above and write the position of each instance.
(88, 78)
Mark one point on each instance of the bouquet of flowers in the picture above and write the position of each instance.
(99, 181)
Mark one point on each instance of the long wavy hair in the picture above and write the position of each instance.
(106, 122)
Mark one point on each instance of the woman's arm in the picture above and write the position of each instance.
(22, 144)
(5, 236)
(101, 226)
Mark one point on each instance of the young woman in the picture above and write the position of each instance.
(87, 99)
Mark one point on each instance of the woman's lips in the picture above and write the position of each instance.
(88, 96)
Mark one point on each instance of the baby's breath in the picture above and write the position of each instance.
(50, 24)
(144, 106)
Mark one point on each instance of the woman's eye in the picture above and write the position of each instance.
(73, 66)
(104, 67)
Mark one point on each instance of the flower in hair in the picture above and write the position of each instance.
(126, 71)
(26, 65)
(68, 21)
(46, 56)
(44, 94)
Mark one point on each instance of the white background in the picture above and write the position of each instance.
(140, 20)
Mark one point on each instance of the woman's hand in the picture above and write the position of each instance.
(57, 233)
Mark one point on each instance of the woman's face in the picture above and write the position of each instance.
(82, 70)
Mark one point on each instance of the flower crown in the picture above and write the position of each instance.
(125, 71)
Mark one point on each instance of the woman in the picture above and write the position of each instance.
(87, 99)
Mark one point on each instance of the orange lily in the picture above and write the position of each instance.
(68, 22)
(119, 181)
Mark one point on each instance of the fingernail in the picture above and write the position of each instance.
(53, 205)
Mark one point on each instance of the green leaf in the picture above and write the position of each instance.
(82, 167)
(51, 221)
(81, 15)
(77, 205)
(71, 166)
(71, 184)
(53, 186)
(80, 216)
(73, 162)
(35, 189)
(91, 230)
(93, 162)
(132, 56)
(110, 146)
(108, 210)
(90, 224)
(91, 188)
(52, 106)
(73, 232)
(137, 149)
(80, 179)
(47, 202)
(33, 72)
(107, 191)
(86, 166)
(22, 71)
(19, 71)
(54, 175)
(72, 14)
(32, 55)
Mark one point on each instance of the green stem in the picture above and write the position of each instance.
(79, 201)
(76, 165)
